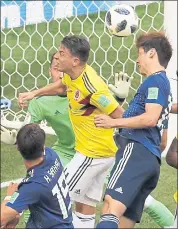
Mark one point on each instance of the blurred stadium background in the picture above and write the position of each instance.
(31, 32)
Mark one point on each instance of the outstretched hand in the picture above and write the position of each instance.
(8, 136)
(104, 121)
(122, 83)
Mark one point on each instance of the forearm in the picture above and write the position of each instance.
(138, 122)
(117, 113)
(5, 216)
(51, 89)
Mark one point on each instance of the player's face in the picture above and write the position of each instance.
(55, 60)
(53, 71)
(65, 59)
(142, 61)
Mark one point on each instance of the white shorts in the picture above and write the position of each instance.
(86, 176)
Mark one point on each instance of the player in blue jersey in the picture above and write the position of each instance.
(44, 191)
(137, 166)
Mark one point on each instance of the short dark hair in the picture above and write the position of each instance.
(31, 141)
(78, 46)
(159, 42)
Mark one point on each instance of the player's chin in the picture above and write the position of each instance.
(141, 71)
(61, 68)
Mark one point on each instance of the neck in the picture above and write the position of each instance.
(155, 68)
(31, 163)
(75, 73)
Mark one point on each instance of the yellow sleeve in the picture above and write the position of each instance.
(176, 197)
(104, 101)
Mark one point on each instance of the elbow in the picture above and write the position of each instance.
(151, 122)
(3, 222)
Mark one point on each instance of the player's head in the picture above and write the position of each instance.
(54, 73)
(30, 141)
(154, 50)
(73, 52)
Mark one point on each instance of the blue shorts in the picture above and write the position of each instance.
(133, 177)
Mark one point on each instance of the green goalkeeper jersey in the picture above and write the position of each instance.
(54, 109)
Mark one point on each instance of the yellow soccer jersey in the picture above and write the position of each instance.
(176, 193)
(88, 96)
(176, 197)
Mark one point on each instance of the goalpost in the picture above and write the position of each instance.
(31, 31)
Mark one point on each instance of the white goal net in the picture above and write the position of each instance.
(31, 32)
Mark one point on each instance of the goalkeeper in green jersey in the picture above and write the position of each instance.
(46, 108)
(54, 109)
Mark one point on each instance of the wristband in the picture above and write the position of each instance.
(119, 100)
(7, 198)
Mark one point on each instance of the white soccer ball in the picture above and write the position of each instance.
(121, 20)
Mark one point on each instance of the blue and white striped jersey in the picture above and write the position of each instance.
(155, 89)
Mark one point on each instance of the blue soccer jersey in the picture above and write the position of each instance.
(155, 89)
(45, 193)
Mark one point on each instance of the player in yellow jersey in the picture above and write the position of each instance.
(88, 95)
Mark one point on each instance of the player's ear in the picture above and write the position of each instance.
(76, 61)
(151, 53)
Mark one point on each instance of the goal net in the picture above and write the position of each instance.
(31, 32)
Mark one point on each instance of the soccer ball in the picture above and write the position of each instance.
(121, 20)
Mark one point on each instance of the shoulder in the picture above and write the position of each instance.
(30, 185)
(159, 79)
(49, 150)
(45, 101)
(37, 101)
(93, 81)
(52, 157)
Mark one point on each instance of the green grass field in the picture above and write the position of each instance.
(12, 167)
(35, 46)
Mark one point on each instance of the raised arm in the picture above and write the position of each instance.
(148, 119)
(55, 88)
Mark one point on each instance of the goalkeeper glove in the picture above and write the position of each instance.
(122, 83)
(7, 136)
